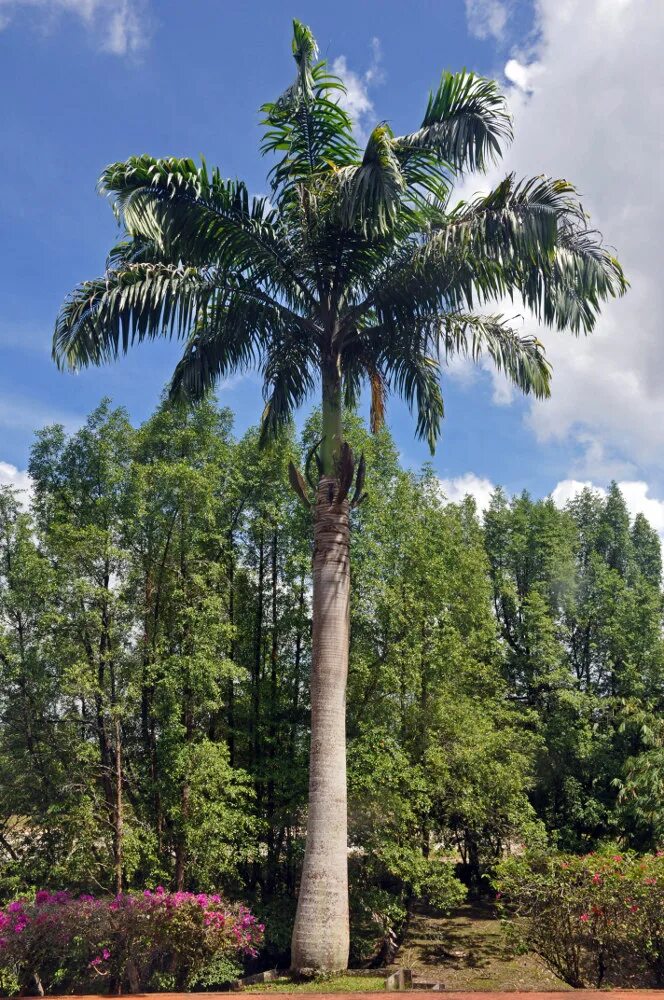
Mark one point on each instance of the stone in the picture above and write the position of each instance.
(402, 979)
(259, 977)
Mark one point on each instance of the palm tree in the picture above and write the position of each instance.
(359, 270)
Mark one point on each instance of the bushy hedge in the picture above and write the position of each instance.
(127, 943)
(594, 919)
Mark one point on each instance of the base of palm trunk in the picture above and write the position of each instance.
(321, 935)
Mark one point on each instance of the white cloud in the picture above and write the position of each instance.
(567, 489)
(522, 75)
(356, 100)
(588, 106)
(456, 489)
(120, 26)
(635, 492)
(18, 479)
(11, 476)
(487, 18)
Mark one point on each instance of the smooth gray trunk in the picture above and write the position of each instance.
(321, 934)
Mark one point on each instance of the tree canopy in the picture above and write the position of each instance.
(505, 684)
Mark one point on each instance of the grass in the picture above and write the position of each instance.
(348, 983)
(466, 951)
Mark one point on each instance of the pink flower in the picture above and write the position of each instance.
(584, 917)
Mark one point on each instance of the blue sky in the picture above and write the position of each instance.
(86, 82)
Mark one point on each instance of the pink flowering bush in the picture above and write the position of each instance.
(594, 919)
(127, 943)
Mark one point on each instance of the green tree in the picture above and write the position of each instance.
(579, 604)
(359, 269)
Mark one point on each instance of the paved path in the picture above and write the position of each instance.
(458, 995)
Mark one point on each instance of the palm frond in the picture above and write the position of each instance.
(465, 124)
(289, 376)
(368, 196)
(307, 127)
(520, 357)
(527, 240)
(415, 376)
(516, 219)
(236, 331)
(105, 317)
(193, 215)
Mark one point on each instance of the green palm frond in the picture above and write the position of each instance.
(527, 240)
(520, 357)
(289, 376)
(517, 218)
(465, 124)
(215, 349)
(105, 317)
(307, 127)
(415, 376)
(369, 195)
(190, 214)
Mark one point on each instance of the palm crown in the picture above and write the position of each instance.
(358, 269)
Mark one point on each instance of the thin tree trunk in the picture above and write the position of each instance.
(258, 660)
(118, 832)
(274, 834)
(231, 651)
(321, 934)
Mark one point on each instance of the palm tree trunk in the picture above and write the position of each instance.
(321, 934)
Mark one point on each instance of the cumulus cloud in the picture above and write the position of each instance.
(588, 106)
(456, 489)
(120, 27)
(487, 18)
(356, 101)
(636, 492)
(18, 479)
(522, 75)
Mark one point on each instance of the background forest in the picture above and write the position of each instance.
(506, 674)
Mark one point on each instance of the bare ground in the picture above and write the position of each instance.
(466, 951)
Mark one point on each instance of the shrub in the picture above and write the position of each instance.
(592, 919)
(127, 943)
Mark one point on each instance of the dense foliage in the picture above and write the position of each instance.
(505, 679)
(594, 918)
(128, 942)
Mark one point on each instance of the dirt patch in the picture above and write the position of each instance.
(466, 951)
